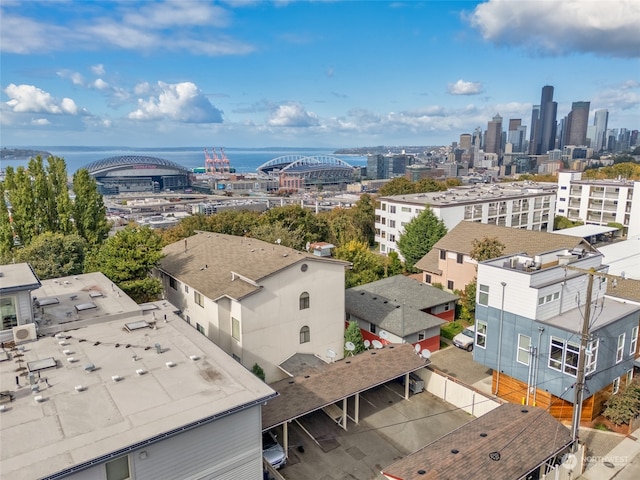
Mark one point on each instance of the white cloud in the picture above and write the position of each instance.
(75, 77)
(31, 99)
(464, 88)
(40, 122)
(98, 69)
(183, 13)
(100, 84)
(607, 29)
(619, 97)
(292, 115)
(142, 88)
(182, 102)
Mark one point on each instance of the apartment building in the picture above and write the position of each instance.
(599, 202)
(527, 205)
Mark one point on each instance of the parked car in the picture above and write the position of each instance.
(465, 338)
(272, 451)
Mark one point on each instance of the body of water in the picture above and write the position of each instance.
(243, 160)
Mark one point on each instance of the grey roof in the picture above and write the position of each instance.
(396, 318)
(625, 288)
(524, 437)
(623, 257)
(611, 311)
(110, 163)
(17, 277)
(225, 265)
(407, 291)
(516, 240)
(586, 230)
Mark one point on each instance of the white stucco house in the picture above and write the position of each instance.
(262, 303)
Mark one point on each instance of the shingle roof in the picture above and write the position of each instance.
(305, 394)
(216, 264)
(626, 288)
(401, 320)
(516, 240)
(524, 437)
(407, 291)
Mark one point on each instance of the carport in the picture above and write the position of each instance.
(322, 390)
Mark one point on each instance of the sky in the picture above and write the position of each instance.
(321, 73)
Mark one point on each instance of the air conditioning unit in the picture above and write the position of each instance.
(24, 333)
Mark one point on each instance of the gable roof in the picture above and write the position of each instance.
(516, 240)
(401, 320)
(404, 290)
(226, 265)
(524, 437)
(625, 288)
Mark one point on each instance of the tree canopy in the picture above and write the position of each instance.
(419, 236)
(402, 185)
(486, 248)
(54, 255)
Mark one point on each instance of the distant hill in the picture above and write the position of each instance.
(21, 153)
(384, 149)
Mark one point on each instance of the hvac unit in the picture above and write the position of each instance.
(24, 333)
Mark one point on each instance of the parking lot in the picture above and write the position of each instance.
(390, 427)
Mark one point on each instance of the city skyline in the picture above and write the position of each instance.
(295, 74)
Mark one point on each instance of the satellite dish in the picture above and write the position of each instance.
(350, 346)
(426, 353)
(376, 343)
(367, 344)
(417, 348)
(384, 334)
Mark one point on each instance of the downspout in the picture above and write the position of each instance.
(536, 370)
(504, 284)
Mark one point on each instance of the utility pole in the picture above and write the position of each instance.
(580, 380)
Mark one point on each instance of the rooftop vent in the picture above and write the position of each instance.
(170, 364)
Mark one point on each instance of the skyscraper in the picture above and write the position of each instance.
(517, 134)
(543, 136)
(465, 141)
(575, 129)
(493, 139)
(600, 120)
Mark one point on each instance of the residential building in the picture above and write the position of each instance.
(126, 397)
(400, 309)
(509, 442)
(258, 301)
(16, 306)
(530, 314)
(599, 202)
(449, 262)
(521, 205)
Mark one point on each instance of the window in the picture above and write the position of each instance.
(447, 307)
(592, 356)
(305, 335)
(427, 278)
(548, 298)
(200, 328)
(172, 283)
(634, 341)
(186, 289)
(483, 294)
(372, 328)
(620, 350)
(459, 258)
(524, 346)
(198, 298)
(392, 237)
(616, 385)
(304, 301)
(420, 336)
(392, 224)
(481, 334)
(629, 376)
(406, 210)
(563, 356)
(450, 284)
(235, 328)
(392, 209)
(443, 254)
(118, 469)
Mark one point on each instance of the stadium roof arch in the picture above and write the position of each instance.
(301, 164)
(123, 162)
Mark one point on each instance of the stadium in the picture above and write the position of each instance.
(303, 172)
(138, 174)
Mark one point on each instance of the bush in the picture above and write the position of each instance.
(625, 405)
(451, 329)
(258, 371)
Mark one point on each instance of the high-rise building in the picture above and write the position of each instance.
(600, 120)
(517, 134)
(543, 135)
(493, 139)
(465, 142)
(575, 128)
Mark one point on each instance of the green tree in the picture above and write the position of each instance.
(364, 214)
(419, 236)
(560, 223)
(429, 185)
(127, 259)
(6, 232)
(367, 266)
(486, 249)
(19, 193)
(397, 186)
(89, 211)
(625, 405)
(394, 265)
(54, 255)
(354, 335)
(44, 215)
(342, 227)
(57, 172)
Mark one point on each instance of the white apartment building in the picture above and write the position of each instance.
(599, 202)
(527, 205)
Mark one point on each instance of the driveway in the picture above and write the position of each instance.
(459, 364)
(390, 427)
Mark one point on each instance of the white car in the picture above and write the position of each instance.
(465, 338)
(272, 451)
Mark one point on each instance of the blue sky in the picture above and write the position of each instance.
(248, 73)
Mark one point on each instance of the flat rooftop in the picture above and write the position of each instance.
(471, 194)
(611, 311)
(131, 395)
(17, 276)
